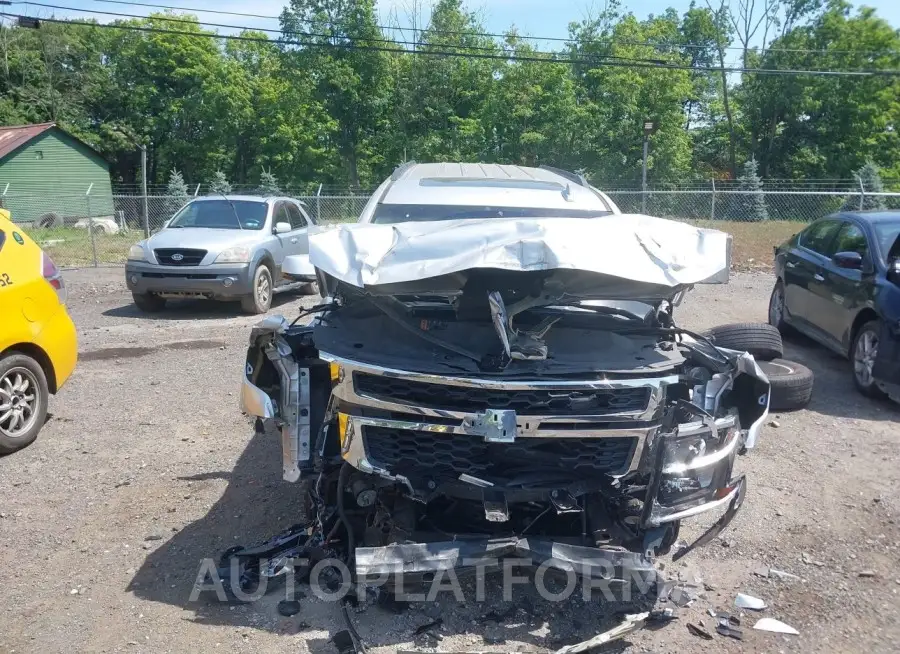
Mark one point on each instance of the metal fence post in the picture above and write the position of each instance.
(319, 204)
(862, 193)
(144, 190)
(90, 222)
(712, 207)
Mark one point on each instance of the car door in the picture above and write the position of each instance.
(280, 242)
(298, 237)
(845, 291)
(803, 263)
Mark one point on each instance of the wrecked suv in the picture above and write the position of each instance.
(506, 379)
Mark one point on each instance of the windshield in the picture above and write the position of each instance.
(887, 233)
(402, 213)
(221, 214)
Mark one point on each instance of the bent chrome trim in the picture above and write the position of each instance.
(345, 391)
(700, 508)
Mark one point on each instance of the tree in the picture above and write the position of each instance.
(268, 185)
(176, 191)
(869, 178)
(751, 202)
(351, 82)
(219, 184)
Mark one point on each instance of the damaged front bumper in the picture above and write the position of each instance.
(408, 565)
(386, 425)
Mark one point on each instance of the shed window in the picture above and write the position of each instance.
(38, 154)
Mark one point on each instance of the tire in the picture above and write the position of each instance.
(776, 308)
(21, 418)
(862, 362)
(149, 302)
(50, 220)
(260, 298)
(791, 384)
(761, 340)
(309, 289)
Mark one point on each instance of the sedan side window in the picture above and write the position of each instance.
(818, 237)
(851, 239)
(297, 221)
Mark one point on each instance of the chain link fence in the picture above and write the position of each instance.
(84, 230)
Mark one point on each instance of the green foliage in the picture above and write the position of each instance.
(177, 191)
(219, 184)
(268, 185)
(869, 178)
(751, 203)
(347, 116)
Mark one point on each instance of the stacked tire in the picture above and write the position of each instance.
(791, 383)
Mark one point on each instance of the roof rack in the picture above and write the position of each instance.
(402, 168)
(572, 177)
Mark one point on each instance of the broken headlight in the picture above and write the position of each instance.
(697, 459)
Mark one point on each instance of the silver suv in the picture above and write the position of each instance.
(221, 247)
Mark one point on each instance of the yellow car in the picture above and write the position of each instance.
(38, 344)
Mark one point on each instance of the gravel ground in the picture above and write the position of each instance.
(147, 466)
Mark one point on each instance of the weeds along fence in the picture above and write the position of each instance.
(83, 230)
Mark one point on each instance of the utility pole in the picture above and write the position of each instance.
(649, 128)
(144, 188)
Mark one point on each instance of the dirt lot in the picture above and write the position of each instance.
(147, 466)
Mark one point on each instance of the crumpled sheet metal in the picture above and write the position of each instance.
(647, 250)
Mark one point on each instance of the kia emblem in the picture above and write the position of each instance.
(177, 257)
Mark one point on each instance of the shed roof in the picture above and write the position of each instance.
(14, 137)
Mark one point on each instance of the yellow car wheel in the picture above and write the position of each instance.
(24, 398)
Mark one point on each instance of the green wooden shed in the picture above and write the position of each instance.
(46, 173)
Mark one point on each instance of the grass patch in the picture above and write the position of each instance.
(72, 248)
(752, 243)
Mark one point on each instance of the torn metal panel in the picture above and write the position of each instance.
(647, 251)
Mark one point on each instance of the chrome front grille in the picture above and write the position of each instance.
(524, 401)
(406, 451)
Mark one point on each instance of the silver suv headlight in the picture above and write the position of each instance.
(136, 252)
(236, 254)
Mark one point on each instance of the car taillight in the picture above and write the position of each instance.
(54, 277)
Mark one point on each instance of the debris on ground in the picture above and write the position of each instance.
(630, 624)
(725, 626)
(343, 641)
(776, 626)
(682, 596)
(743, 601)
(699, 631)
(781, 574)
(762, 572)
(867, 573)
(287, 608)
(428, 626)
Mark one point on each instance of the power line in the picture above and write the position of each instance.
(612, 41)
(545, 58)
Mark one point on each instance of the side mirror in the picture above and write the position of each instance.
(893, 271)
(849, 260)
(282, 228)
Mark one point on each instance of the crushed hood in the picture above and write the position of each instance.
(620, 255)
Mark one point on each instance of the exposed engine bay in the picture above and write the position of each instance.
(556, 415)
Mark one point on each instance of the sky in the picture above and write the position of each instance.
(537, 18)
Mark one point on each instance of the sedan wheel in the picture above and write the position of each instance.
(864, 353)
(776, 307)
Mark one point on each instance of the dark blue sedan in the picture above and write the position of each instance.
(838, 282)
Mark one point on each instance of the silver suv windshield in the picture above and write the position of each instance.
(402, 213)
(221, 214)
